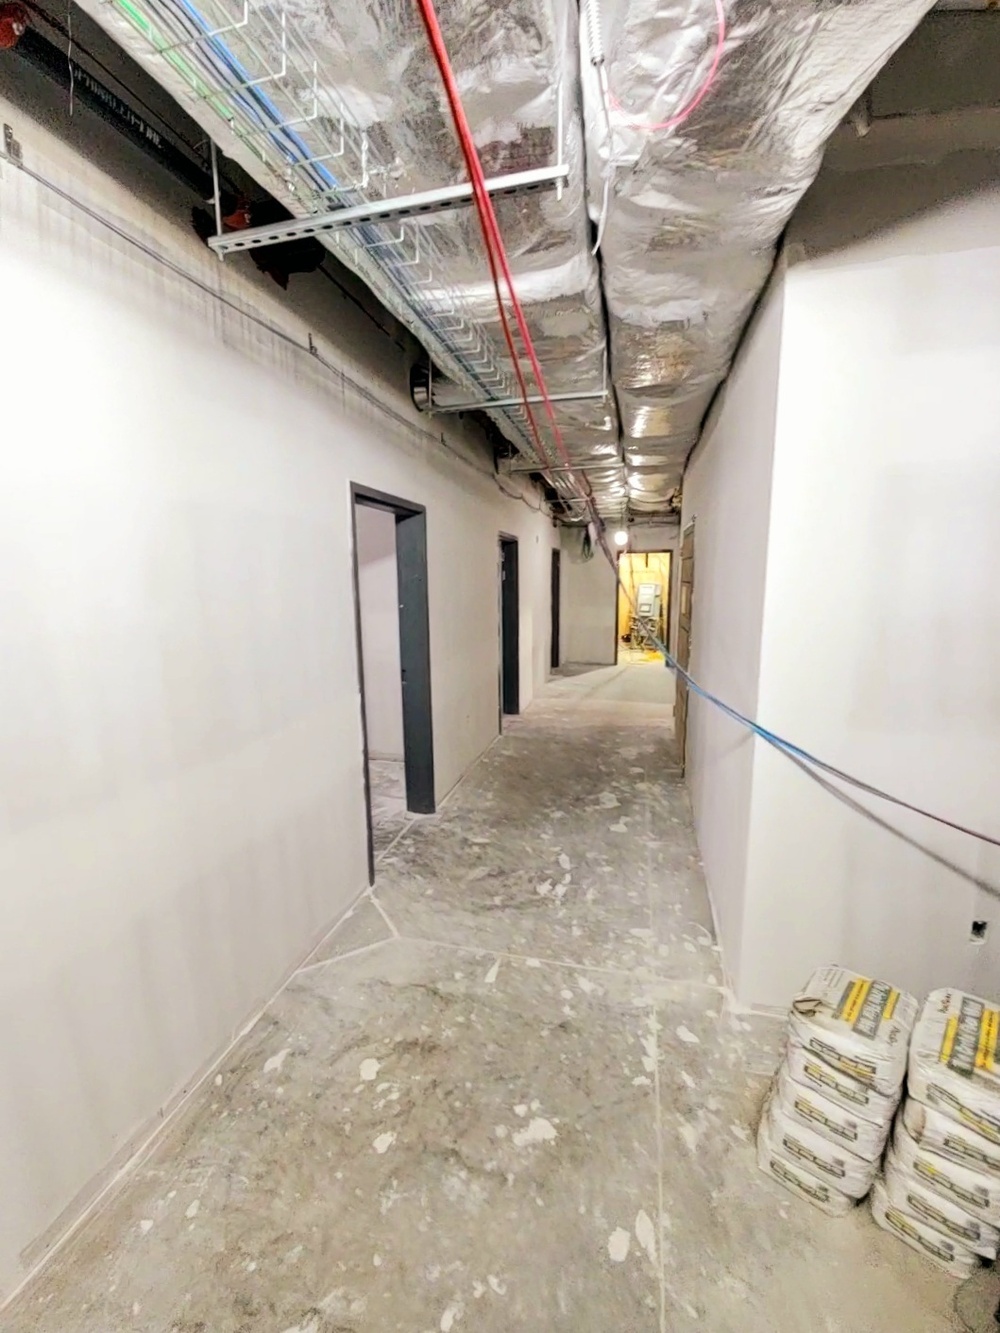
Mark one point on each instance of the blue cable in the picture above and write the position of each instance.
(295, 151)
(787, 747)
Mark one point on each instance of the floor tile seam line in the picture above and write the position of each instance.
(485, 949)
(405, 829)
(657, 1087)
(370, 893)
(627, 974)
(342, 957)
(658, 1123)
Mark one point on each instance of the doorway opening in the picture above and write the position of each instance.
(643, 605)
(510, 655)
(394, 669)
(555, 658)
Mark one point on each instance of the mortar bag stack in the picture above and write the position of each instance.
(941, 1192)
(823, 1115)
(830, 1109)
(954, 1062)
(908, 1227)
(858, 1027)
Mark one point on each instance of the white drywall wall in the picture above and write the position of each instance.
(378, 595)
(727, 498)
(589, 601)
(882, 615)
(181, 795)
(534, 586)
(878, 643)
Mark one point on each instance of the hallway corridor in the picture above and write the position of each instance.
(508, 1093)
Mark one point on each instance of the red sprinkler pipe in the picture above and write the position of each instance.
(495, 250)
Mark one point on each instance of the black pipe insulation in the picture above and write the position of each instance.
(67, 73)
(278, 261)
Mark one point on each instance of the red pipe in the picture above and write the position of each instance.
(495, 251)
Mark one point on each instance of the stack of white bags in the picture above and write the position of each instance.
(941, 1189)
(829, 1111)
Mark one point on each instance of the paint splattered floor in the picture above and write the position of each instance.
(508, 1093)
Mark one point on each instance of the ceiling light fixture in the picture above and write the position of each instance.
(621, 537)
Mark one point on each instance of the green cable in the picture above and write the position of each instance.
(204, 93)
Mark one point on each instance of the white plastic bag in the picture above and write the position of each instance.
(825, 1117)
(855, 1024)
(907, 1191)
(949, 1138)
(973, 1191)
(955, 1060)
(794, 1177)
(854, 1097)
(829, 1162)
(947, 1254)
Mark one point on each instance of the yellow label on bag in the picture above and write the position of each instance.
(865, 1004)
(989, 1031)
(852, 999)
(971, 1038)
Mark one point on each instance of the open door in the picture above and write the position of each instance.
(409, 661)
(643, 605)
(510, 656)
(684, 640)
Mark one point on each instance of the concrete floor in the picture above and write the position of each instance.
(647, 681)
(627, 654)
(387, 780)
(508, 1093)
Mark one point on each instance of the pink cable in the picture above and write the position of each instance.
(700, 95)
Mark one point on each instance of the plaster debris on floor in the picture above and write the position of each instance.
(509, 1093)
(387, 779)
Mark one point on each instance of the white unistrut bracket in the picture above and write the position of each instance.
(388, 210)
(486, 404)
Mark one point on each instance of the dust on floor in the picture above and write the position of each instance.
(508, 1093)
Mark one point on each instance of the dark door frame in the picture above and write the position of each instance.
(682, 703)
(556, 591)
(618, 589)
(674, 553)
(414, 651)
(510, 628)
(668, 613)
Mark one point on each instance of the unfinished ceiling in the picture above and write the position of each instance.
(688, 130)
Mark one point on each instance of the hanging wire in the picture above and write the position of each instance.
(69, 54)
(702, 92)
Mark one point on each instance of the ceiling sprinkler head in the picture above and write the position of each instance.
(13, 25)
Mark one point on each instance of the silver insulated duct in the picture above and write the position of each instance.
(337, 104)
(706, 121)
